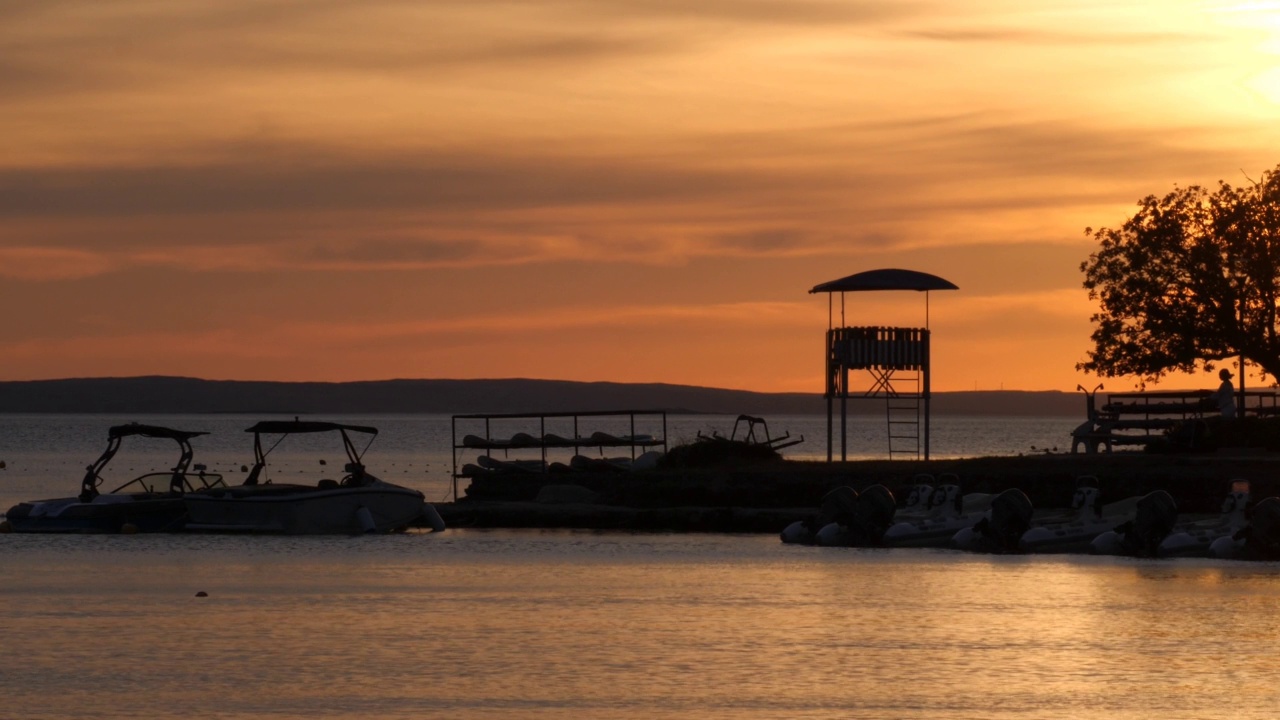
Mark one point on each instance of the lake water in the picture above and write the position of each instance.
(525, 624)
(475, 624)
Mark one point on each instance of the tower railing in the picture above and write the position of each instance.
(896, 362)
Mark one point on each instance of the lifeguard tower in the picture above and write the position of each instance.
(891, 363)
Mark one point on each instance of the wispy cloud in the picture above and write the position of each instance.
(512, 325)
(1020, 36)
(576, 201)
(39, 264)
(66, 46)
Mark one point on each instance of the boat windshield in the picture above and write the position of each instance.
(176, 480)
(162, 482)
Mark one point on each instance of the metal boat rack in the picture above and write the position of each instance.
(578, 429)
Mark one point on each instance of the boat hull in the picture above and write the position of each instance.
(1075, 537)
(1194, 542)
(927, 534)
(146, 514)
(303, 510)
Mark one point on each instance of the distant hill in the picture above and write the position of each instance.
(142, 395)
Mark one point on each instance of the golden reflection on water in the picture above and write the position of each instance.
(474, 625)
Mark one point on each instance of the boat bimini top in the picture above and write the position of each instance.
(177, 482)
(284, 428)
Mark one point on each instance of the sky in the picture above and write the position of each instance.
(594, 190)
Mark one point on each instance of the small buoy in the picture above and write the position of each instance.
(2, 465)
(5, 527)
(244, 468)
(202, 594)
(128, 529)
(322, 462)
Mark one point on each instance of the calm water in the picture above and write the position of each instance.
(473, 624)
(523, 624)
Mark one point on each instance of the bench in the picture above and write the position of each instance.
(1145, 412)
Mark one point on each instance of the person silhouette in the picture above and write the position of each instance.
(1226, 396)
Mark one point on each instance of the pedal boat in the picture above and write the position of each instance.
(1195, 539)
(838, 504)
(950, 512)
(1075, 531)
(1154, 517)
(1259, 539)
(1001, 527)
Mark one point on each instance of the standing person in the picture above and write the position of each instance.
(1226, 396)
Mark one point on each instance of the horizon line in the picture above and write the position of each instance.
(525, 379)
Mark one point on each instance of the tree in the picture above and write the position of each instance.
(1189, 280)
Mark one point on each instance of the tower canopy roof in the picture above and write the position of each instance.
(886, 279)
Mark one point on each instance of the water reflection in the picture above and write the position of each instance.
(474, 624)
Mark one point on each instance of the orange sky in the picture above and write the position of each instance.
(627, 190)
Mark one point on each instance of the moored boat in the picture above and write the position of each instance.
(1075, 531)
(836, 504)
(1001, 527)
(917, 503)
(152, 502)
(950, 511)
(837, 508)
(863, 519)
(358, 503)
(1259, 539)
(1194, 539)
(1154, 517)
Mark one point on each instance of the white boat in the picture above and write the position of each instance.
(918, 497)
(1074, 531)
(358, 503)
(949, 512)
(861, 520)
(1154, 516)
(828, 527)
(1001, 527)
(836, 505)
(1259, 539)
(874, 516)
(1194, 539)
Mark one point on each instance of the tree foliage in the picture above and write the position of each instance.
(1190, 279)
